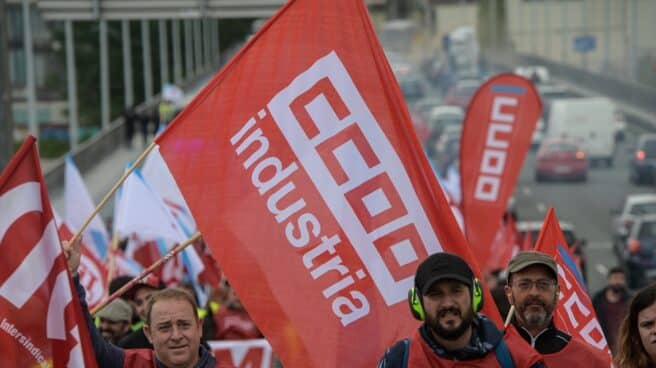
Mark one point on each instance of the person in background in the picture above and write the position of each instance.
(139, 295)
(610, 304)
(533, 290)
(448, 298)
(130, 118)
(636, 343)
(114, 320)
(496, 282)
(232, 321)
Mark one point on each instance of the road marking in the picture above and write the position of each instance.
(541, 207)
(526, 191)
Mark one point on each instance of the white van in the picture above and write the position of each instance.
(588, 120)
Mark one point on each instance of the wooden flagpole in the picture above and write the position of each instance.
(146, 272)
(112, 191)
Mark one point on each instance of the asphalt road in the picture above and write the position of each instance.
(586, 205)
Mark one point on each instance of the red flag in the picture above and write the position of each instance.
(574, 312)
(41, 320)
(527, 242)
(243, 353)
(301, 167)
(503, 247)
(93, 274)
(496, 136)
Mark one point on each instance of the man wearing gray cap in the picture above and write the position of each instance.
(447, 297)
(533, 290)
(115, 320)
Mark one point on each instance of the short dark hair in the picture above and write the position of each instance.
(616, 269)
(170, 294)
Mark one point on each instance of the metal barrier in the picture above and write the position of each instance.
(636, 101)
(87, 154)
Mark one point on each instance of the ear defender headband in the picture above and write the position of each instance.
(417, 308)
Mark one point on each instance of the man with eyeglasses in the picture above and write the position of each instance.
(533, 290)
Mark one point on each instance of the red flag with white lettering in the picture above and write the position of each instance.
(41, 323)
(93, 274)
(243, 353)
(574, 312)
(496, 135)
(300, 164)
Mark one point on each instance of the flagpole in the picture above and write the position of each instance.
(112, 191)
(146, 272)
(111, 266)
(511, 312)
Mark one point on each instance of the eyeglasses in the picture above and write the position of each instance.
(542, 284)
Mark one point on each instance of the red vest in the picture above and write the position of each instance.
(577, 353)
(139, 358)
(422, 356)
(145, 358)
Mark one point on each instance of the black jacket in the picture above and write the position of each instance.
(549, 341)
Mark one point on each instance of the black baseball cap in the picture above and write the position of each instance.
(442, 266)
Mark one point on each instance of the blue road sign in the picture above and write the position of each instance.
(585, 43)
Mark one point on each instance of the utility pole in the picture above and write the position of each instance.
(6, 123)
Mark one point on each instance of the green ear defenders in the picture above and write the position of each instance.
(417, 308)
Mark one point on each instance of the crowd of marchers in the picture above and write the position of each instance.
(153, 326)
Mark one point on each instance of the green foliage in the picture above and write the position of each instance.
(52, 148)
(87, 59)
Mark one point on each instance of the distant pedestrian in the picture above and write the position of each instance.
(130, 117)
(611, 304)
(636, 346)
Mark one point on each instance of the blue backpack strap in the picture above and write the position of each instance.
(396, 356)
(503, 355)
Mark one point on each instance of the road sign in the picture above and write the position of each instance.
(585, 43)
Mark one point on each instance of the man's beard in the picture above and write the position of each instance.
(533, 319)
(450, 334)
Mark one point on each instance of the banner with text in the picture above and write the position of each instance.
(496, 135)
(303, 171)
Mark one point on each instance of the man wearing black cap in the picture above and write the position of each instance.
(533, 290)
(447, 298)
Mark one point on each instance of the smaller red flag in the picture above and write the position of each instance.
(574, 312)
(40, 318)
(496, 135)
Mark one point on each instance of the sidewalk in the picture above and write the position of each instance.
(102, 177)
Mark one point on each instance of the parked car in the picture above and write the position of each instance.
(425, 105)
(413, 88)
(561, 158)
(643, 162)
(462, 93)
(444, 118)
(634, 206)
(575, 243)
(639, 252)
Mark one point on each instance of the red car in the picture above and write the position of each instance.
(563, 159)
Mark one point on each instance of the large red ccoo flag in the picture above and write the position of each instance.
(302, 169)
(496, 135)
(41, 322)
(574, 312)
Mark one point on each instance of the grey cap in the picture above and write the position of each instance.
(529, 258)
(117, 310)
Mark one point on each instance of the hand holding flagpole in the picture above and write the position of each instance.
(146, 272)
